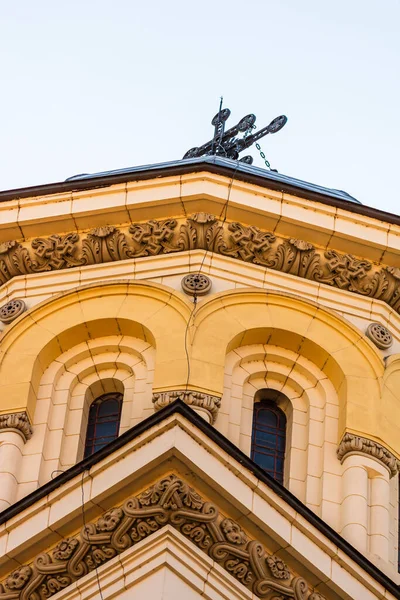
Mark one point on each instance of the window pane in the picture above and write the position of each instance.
(269, 438)
(103, 422)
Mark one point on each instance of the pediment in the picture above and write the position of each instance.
(169, 501)
(174, 472)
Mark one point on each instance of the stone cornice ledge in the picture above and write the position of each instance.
(16, 422)
(351, 444)
(204, 403)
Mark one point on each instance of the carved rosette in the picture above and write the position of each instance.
(379, 335)
(354, 444)
(202, 231)
(12, 310)
(16, 421)
(202, 403)
(169, 501)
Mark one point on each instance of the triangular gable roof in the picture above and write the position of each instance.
(239, 461)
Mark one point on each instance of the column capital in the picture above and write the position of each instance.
(355, 444)
(205, 404)
(17, 421)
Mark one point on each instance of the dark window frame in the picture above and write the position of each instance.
(268, 441)
(102, 428)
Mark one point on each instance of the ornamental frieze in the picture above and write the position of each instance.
(202, 231)
(169, 501)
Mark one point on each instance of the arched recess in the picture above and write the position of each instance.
(246, 317)
(311, 406)
(147, 311)
(76, 378)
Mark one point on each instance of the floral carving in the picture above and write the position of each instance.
(14, 260)
(205, 402)
(105, 244)
(18, 578)
(296, 257)
(19, 421)
(233, 532)
(169, 501)
(278, 567)
(205, 232)
(65, 549)
(353, 443)
(56, 252)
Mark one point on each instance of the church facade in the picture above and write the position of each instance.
(199, 388)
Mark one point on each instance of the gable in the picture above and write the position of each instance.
(170, 501)
(175, 471)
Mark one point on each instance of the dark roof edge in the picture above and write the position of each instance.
(180, 408)
(213, 165)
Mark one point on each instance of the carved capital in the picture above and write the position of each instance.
(203, 402)
(18, 421)
(351, 444)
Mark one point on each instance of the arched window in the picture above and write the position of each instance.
(269, 436)
(103, 422)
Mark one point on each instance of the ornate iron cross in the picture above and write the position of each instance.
(225, 143)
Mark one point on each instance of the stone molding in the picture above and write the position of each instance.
(169, 501)
(351, 444)
(202, 231)
(205, 402)
(16, 421)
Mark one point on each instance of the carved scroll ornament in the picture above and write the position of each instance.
(169, 501)
(18, 421)
(202, 231)
(355, 444)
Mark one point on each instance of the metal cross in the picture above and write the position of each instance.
(224, 143)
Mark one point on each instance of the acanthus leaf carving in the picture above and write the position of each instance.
(170, 500)
(354, 443)
(105, 244)
(297, 257)
(14, 260)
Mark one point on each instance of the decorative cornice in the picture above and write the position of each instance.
(204, 402)
(202, 231)
(169, 501)
(16, 421)
(354, 443)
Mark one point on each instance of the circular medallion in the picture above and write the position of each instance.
(196, 284)
(12, 310)
(381, 336)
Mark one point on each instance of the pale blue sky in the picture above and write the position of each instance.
(92, 85)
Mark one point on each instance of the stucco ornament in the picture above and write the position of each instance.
(12, 310)
(169, 501)
(205, 402)
(196, 284)
(351, 444)
(202, 231)
(16, 421)
(380, 335)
